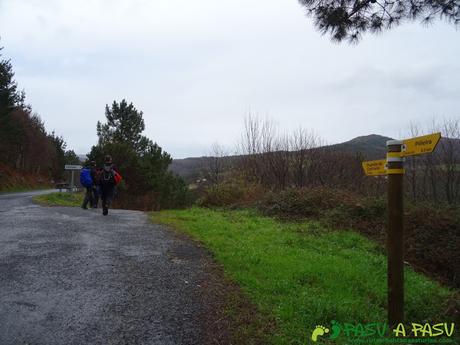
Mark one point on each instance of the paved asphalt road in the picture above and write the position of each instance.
(70, 276)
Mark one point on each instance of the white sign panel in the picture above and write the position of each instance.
(73, 167)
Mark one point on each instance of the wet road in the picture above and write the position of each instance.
(70, 276)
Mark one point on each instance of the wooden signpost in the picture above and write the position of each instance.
(393, 167)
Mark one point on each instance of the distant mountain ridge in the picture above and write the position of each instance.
(371, 146)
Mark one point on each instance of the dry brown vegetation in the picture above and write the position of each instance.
(14, 180)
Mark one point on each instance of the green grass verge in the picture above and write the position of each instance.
(60, 199)
(302, 274)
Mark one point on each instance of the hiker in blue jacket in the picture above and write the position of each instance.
(87, 180)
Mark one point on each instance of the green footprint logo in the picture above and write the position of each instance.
(318, 331)
(335, 330)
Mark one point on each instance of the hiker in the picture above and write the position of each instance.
(87, 179)
(97, 187)
(109, 178)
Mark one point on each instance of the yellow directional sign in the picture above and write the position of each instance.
(375, 168)
(420, 145)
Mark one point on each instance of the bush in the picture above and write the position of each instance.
(432, 238)
(233, 193)
(305, 202)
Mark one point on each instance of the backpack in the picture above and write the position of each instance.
(107, 177)
(85, 178)
(117, 177)
(97, 176)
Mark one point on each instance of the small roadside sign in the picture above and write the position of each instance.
(420, 145)
(375, 168)
(72, 167)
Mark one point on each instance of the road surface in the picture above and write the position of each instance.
(70, 276)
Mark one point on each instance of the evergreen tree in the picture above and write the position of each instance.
(124, 125)
(9, 133)
(24, 143)
(144, 165)
(70, 157)
(8, 87)
(59, 161)
(349, 19)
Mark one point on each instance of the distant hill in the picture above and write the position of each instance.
(189, 168)
(371, 146)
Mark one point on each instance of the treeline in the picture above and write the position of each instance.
(147, 183)
(279, 161)
(436, 177)
(25, 145)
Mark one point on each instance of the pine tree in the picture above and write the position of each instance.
(349, 19)
(124, 125)
(144, 165)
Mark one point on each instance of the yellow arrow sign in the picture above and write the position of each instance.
(421, 145)
(375, 168)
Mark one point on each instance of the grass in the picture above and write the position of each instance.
(60, 199)
(303, 274)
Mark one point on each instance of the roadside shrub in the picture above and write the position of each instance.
(432, 240)
(173, 195)
(232, 193)
(305, 202)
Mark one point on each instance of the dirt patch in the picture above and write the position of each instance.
(228, 316)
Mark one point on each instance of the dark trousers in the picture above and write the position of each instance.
(107, 195)
(97, 194)
(89, 198)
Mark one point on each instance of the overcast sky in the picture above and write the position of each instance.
(196, 68)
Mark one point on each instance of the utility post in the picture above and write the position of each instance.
(395, 238)
(72, 183)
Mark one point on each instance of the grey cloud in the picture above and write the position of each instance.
(195, 69)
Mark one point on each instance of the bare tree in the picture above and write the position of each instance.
(412, 165)
(216, 163)
(436, 176)
(249, 147)
(450, 159)
(303, 144)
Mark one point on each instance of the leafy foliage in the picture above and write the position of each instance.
(349, 19)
